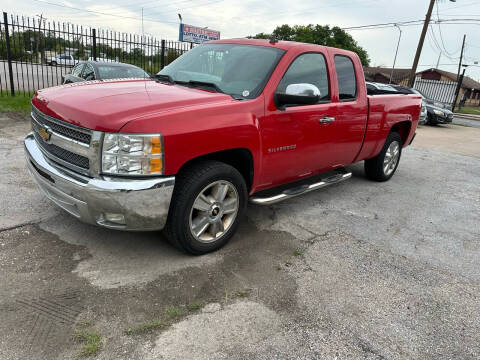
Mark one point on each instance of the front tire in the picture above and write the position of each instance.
(383, 166)
(431, 121)
(209, 200)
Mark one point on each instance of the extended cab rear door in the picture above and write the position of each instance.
(349, 95)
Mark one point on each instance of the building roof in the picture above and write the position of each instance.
(468, 83)
(398, 74)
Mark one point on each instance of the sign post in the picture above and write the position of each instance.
(197, 35)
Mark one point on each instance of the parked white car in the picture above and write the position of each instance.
(102, 60)
(62, 59)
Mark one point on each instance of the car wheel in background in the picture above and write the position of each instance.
(208, 203)
(383, 166)
(430, 120)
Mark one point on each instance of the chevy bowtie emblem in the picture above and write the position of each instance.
(45, 133)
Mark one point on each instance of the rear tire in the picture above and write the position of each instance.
(383, 166)
(53, 63)
(208, 202)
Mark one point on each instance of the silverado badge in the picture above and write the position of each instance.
(45, 133)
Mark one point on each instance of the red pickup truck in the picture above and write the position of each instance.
(228, 122)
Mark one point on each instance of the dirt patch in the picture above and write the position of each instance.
(46, 299)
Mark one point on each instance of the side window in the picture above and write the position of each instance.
(88, 72)
(310, 68)
(347, 82)
(77, 70)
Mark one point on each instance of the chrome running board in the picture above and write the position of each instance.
(284, 192)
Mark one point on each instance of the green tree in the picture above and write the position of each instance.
(317, 34)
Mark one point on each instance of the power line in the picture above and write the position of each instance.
(101, 13)
(441, 36)
(414, 23)
(390, 24)
(136, 6)
(122, 16)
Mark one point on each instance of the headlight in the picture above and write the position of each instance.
(132, 154)
(438, 112)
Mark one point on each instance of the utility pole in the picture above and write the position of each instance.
(461, 57)
(411, 80)
(459, 86)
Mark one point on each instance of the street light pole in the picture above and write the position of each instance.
(396, 52)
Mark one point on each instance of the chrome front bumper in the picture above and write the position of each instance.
(142, 203)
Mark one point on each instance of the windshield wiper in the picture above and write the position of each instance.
(205, 84)
(164, 77)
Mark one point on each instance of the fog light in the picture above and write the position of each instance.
(114, 218)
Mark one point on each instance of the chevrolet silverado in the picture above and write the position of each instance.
(230, 121)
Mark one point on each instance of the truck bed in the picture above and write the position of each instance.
(384, 111)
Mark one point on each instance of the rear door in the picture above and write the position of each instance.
(297, 141)
(351, 107)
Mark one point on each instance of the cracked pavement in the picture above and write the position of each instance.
(356, 270)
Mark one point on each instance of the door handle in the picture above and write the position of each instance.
(326, 120)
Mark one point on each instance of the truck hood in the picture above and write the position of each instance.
(109, 105)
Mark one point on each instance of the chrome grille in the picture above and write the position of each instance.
(70, 146)
(65, 129)
(65, 155)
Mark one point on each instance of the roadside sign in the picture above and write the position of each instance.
(197, 35)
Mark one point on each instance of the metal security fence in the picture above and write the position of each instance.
(35, 53)
(441, 91)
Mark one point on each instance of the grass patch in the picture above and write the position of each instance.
(145, 328)
(297, 252)
(242, 293)
(91, 341)
(196, 305)
(18, 103)
(174, 312)
(469, 110)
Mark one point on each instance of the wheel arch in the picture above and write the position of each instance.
(403, 129)
(239, 158)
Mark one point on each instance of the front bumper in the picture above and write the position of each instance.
(443, 119)
(117, 203)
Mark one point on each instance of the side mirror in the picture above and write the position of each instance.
(298, 94)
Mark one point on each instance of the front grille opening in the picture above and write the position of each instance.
(65, 130)
(43, 173)
(65, 155)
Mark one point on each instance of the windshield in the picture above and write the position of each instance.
(120, 72)
(240, 70)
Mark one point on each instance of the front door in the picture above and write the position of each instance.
(297, 141)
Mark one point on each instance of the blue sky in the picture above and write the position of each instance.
(237, 18)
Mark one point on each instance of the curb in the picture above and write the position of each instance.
(467, 116)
